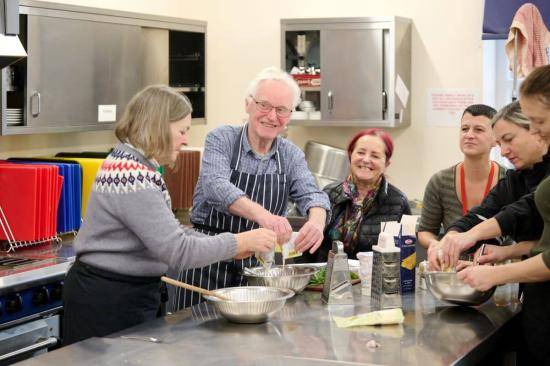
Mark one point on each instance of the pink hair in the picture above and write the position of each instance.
(384, 136)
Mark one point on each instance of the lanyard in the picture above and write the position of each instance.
(463, 186)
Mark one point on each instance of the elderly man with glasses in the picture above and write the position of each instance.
(248, 175)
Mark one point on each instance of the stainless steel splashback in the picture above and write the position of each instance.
(328, 164)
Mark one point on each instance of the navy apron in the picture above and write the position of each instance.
(268, 190)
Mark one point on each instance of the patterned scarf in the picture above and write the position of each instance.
(346, 227)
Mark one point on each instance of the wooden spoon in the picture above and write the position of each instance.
(194, 288)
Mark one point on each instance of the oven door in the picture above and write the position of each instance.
(28, 339)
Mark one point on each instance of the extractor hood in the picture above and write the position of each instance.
(11, 48)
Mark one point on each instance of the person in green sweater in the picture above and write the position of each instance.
(534, 271)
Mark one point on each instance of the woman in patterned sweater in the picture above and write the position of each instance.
(130, 235)
(451, 192)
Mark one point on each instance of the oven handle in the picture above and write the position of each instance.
(51, 341)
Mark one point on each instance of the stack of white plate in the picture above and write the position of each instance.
(14, 116)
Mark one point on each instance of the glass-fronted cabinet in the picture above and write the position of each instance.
(347, 69)
(187, 67)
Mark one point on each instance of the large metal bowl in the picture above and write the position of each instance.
(250, 304)
(291, 276)
(446, 286)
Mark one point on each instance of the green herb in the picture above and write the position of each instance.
(319, 277)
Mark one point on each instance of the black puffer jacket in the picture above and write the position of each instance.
(389, 205)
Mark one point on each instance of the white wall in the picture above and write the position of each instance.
(244, 37)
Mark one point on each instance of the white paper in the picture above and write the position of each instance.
(106, 113)
(408, 223)
(392, 227)
(445, 106)
(288, 248)
(402, 91)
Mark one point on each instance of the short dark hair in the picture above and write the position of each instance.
(480, 110)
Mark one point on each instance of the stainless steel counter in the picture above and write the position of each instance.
(49, 261)
(301, 334)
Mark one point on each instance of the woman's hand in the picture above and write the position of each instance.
(250, 242)
(278, 224)
(460, 265)
(493, 254)
(309, 237)
(479, 277)
(451, 246)
(433, 259)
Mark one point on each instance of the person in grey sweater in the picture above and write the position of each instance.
(130, 236)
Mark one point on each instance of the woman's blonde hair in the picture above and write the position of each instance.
(146, 120)
(511, 113)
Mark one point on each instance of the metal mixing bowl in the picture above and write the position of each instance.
(291, 276)
(251, 304)
(446, 286)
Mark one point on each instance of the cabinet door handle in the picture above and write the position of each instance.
(384, 101)
(330, 101)
(37, 96)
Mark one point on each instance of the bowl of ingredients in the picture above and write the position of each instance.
(318, 280)
(250, 304)
(291, 276)
(446, 286)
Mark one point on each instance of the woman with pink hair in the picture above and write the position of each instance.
(364, 198)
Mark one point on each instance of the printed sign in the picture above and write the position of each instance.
(445, 106)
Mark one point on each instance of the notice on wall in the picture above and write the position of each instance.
(106, 113)
(445, 106)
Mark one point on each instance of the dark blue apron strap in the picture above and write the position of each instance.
(205, 228)
(237, 148)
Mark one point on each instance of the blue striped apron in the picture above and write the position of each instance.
(270, 191)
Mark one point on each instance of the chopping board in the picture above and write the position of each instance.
(89, 172)
(69, 204)
(18, 198)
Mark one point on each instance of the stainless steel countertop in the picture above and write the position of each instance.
(301, 334)
(54, 260)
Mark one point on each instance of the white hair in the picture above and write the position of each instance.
(274, 73)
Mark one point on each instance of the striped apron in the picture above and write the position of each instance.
(270, 191)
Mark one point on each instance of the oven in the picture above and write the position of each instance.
(30, 305)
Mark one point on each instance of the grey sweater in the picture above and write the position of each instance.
(129, 227)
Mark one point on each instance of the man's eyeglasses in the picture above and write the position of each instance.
(266, 107)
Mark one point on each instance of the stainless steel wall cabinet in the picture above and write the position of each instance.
(352, 69)
(84, 64)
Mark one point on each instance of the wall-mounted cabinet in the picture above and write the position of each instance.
(348, 69)
(84, 65)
